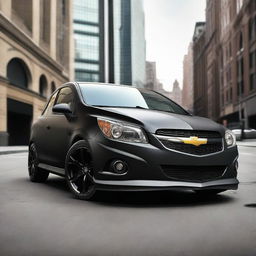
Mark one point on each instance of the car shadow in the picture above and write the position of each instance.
(149, 198)
(144, 199)
(159, 199)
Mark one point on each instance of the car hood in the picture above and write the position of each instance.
(153, 120)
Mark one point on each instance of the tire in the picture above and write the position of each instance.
(35, 173)
(79, 171)
(209, 192)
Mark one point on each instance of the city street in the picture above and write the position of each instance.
(44, 219)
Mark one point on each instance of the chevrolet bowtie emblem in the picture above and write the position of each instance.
(194, 141)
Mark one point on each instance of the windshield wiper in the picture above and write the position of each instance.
(118, 106)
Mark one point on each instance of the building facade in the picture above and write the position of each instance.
(199, 71)
(110, 41)
(229, 54)
(187, 88)
(35, 50)
(238, 63)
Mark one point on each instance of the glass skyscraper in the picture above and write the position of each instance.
(109, 41)
(129, 42)
(88, 28)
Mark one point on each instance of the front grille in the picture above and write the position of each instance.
(214, 141)
(188, 133)
(193, 173)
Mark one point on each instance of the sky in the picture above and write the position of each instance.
(169, 27)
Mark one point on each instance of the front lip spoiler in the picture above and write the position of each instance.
(165, 185)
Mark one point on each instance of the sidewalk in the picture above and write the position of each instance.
(13, 149)
(247, 143)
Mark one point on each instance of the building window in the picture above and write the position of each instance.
(85, 28)
(61, 33)
(43, 86)
(22, 14)
(240, 75)
(87, 66)
(253, 59)
(252, 29)
(239, 4)
(83, 76)
(45, 21)
(18, 73)
(86, 47)
(241, 41)
(252, 81)
(253, 70)
(86, 10)
(53, 87)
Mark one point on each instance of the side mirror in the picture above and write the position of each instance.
(62, 108)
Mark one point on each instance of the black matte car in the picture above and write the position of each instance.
(112, 137)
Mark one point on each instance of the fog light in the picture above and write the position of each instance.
(119, 166)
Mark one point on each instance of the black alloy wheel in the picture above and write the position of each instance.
(79, 171)
(36, 174)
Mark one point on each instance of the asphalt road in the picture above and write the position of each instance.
(44, 219)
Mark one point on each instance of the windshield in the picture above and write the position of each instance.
(127, 97)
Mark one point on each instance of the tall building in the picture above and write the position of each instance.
(151, 78)
(88, 26)
(129, 42)
(187, 88)
(199, 71)
(110, 41)
(212, 37)
(176, 92)
(160, 89)
(238, 63)
(229, 53)
(35, 51)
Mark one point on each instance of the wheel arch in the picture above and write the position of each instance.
(76, 138)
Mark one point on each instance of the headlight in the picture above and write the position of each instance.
(121, 131)
(230, 138)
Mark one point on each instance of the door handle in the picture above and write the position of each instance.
(48, 127)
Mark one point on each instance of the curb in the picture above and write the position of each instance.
(249, 146)
(13, 152)
(246, 144)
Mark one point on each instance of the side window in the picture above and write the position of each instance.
(48, 109)
(66, 96)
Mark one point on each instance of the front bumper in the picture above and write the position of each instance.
(151, 185)
(145, 163)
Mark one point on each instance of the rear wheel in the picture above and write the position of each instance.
(36, 174)
(209, 192)
(79, 171)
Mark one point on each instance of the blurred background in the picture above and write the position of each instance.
(200, 53)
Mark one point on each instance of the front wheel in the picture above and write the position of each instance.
(79, 171)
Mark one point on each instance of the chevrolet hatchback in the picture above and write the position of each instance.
(112, 137)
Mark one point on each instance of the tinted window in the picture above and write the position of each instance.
(48, 109)
(65, 96)
(121, 96)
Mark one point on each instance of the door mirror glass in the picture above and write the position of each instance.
(62, 108)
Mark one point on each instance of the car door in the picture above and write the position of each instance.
(41, 131)
(60, 128)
